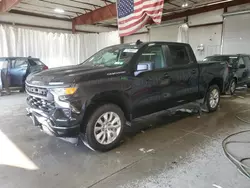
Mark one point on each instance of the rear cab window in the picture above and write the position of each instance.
(229, 59)
(179, 54)
(35, 62)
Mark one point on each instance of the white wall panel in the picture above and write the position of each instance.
(239, 8)
(207, 17)
(133, 38)
(209, 36)
(164, 33)
(236, 38)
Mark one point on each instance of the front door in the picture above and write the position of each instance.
(149, 88)
(18, 71)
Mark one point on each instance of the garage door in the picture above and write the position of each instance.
(133, 38)
(209, 37)
(164, 33)
(236, 34)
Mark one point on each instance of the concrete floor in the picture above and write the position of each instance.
(180, 151)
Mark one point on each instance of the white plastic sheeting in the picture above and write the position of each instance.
(54, 49)
(183, 34)
(236, 38)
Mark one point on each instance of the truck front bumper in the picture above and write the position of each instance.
(57, 118)
(53, 125)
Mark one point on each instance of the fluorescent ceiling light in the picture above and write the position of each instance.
(184, 5)
(58, 10)
(219, 2)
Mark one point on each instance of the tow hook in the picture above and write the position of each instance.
(28, 112)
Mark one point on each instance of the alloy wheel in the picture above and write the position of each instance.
(107, 128)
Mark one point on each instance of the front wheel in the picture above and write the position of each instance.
(212, 98)
(105, 127)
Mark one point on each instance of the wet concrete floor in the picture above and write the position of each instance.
(162, 150)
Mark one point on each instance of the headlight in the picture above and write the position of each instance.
(64, 91)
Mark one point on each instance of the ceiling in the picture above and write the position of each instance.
(74, 8)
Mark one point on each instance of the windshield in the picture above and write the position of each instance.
(112, 56)
(229, 59)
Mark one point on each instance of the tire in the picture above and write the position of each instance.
(105, 130)
(232, 87)
(248, 85)
(212, 90)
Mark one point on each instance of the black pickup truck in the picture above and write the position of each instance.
(99, 97)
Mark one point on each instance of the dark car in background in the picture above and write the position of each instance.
(18, 68)
(239, 69)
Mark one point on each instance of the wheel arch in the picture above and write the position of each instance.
(118, 98)
(217, 81)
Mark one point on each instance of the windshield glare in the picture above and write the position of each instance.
(112, 56)
(229, 59)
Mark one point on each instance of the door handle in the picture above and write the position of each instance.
(166, 75)
(149, 78)
(194, 71)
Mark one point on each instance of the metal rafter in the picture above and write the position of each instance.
(6, 5)
(48, 7)
(61, 4)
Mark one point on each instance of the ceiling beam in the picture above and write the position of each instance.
(109, 12)
(6, 5)
(98, 15)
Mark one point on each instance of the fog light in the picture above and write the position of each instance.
(67, 112)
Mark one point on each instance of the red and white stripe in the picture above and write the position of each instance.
(143, 11)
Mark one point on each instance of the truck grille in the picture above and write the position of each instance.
(36, 90)
(44, 105)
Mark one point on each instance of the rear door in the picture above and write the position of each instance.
(18, 72)
(183, 73)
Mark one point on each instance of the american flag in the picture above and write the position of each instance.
(134, 14)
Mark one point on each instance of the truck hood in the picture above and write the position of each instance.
(67, 75)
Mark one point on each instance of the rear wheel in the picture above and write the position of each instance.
(105, 127)
(212, 98)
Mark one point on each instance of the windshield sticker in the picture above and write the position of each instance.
(148, 54)
(152, 44)
(115, 73)
(131, 50)
(91, 59)
(118, 63)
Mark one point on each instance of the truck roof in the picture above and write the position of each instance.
(145, 43)
(19, 58)
(227, 55)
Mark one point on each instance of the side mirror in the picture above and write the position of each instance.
(143, 67)
(242, 66)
